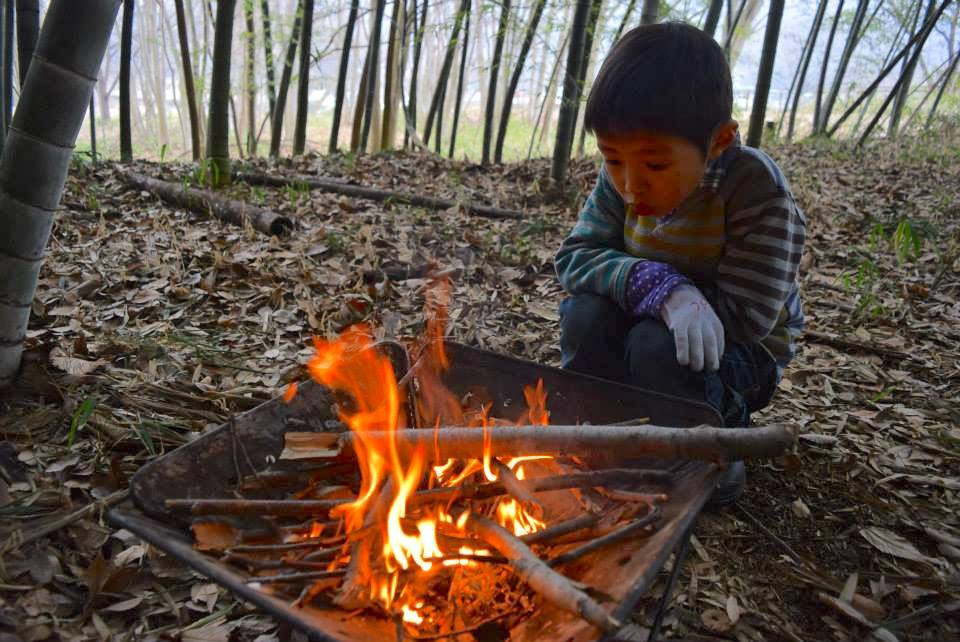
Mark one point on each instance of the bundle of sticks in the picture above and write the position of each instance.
(306, 553)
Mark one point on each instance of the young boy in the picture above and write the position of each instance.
(682, 269)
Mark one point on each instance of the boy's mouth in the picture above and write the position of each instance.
(640, 209)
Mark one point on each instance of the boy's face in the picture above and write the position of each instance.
(655, 173)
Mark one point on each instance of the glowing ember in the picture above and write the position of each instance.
(412, 539)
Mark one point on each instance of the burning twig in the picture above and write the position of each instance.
(297, 577)
(618, 535)
(304, 507)
(561, 528)
(515, 486)
(554, 587)
(701, 443)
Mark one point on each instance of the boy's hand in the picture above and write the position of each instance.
(697, 331)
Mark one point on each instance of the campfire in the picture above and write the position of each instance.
(439, 505)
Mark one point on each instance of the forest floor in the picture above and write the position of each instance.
(153, 325)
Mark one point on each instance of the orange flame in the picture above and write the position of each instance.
(352, 366)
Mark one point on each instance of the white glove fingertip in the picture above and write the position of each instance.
(683, 347)
(696, 349)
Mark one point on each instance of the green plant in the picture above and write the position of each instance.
(80, 417)
(863, 283)
(163, 152)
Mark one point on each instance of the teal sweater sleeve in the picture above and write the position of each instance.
(592, 258)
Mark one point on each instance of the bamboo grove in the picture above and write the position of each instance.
(244, 78)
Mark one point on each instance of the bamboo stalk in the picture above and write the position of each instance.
(701, 443)
(554, 587)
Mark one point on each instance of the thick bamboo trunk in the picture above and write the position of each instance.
(650, 12)
(494, 77)
(268, 56)
(415, 69)
(593, 24)
(218, 127)
(769, 55)
(126, 47)
(570, 103)
(37, 154)
(206, 202)
(28, 29)
(188, 86)
(460, 78)
(249, 78)
(303, 86)
(391, 74)
(342, 74)
(702, 443)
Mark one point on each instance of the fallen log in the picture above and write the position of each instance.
(207, 202)
(374, 194)
(554, 587)
(701, 443)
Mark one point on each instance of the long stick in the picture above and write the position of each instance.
(701, 443)
(554, 587)
(339, 187)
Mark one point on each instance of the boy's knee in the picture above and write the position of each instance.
(650, 342)
(587, 314)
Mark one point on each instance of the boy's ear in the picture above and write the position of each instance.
(722, 139)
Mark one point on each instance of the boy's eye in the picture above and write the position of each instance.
(612, 162)
(657, 167)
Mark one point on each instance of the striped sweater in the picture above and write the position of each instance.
(738, 237)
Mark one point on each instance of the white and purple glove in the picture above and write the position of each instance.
(697, 331)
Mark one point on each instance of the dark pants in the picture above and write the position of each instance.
(599, 338)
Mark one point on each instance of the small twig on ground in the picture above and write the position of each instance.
(849, 344)
(297, 577)
(18, 538)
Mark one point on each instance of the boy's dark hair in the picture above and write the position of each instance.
(669, 78)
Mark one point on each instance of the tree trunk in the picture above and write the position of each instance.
(713, 17)
(189, 89)
(276, 129)
(93, 131)
(8, 36)
(592, 25)
(303, 87)
(436, 102)
(627, 13)
(268, 56)
(907, 77)
(494, 77)
(372, 74)
(249, 77)
(535, 16)
(767, 58)
(391, 96)
(218, 127)
(37, 154)
(920, 36)
(853, 37)
(414, 72)
(460, 74)
(126, 40)
(817, 106)
(650, 12)
(805, 58)
(570, 103)
(360, 104)
(946, 83)
(342, 74)
(28, 28)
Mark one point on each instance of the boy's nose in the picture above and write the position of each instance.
(634, 184)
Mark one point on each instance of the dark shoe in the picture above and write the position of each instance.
(729, 487)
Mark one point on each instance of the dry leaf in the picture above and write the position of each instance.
(892, 544)
(716, 621)
(214, 535)
(733, 609)
(73, 365)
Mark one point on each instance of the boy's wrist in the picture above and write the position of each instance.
(649, 283)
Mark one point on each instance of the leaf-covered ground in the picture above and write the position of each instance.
(153, 325)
